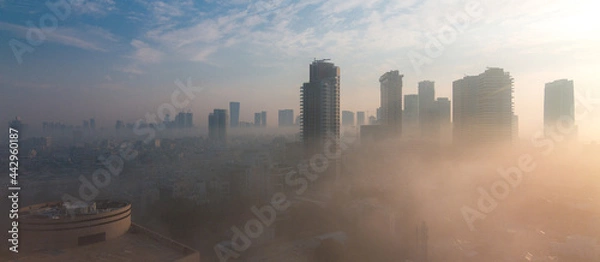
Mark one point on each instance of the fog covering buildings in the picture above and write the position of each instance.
(428, 110)
(285, 117)
(410, 115)
(483, 108)
(360, 118)
(559, 106)
(390, 116)
(347, 118)
(234, 110)
(217, 125)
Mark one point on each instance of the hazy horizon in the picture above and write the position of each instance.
(118, 61)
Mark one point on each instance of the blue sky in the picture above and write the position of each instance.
(119, 59)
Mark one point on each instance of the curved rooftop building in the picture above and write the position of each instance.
(96, 231)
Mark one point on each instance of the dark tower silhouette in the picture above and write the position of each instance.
(320, 105)
(234, 110)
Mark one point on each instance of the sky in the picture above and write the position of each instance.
(69, 61)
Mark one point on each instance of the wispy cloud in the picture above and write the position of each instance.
(84, 37)
(96, 8)
(144, 53)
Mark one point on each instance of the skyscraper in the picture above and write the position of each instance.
(263, 118)
(257, 119)
(347, 118)
(286, 117)
(444, 118)
(410, 116)
(443, 107)
(464, 109)
(360, 118)
(181, 120)
(92, 123)
(495, 106)
(515, 128)
(483, 108)
(217, 125)
(391, 102)
(428, 114)
(559, 106)
(234, 108)
(188, 120)
(320, 105)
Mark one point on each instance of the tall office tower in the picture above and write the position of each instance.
(299, 120)
(443, 107)
(320, 106)
(86, 124)
(559, 107)
(180, 120)
(217, 125)
(378, 115)
(347, 118)
(92, 123)
(483, 108)
(286, 117)
(189, 119)
(410, 116)
(495, 106)
(257, 119)
(515, 128)
(360, 118)
(234, 109)
(391, 102)
(464, 109)
(444, 115)
(263, 118)
(428, 114)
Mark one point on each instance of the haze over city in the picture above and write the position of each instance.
(115, 60)
(313, 131)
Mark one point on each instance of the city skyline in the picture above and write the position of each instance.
(289, 130)
(119, 73)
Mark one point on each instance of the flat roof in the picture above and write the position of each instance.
(138, 244)
(57, 210)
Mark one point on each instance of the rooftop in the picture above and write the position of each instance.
(138, 244)
(57, 210)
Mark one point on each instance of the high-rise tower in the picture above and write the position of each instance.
(391, 102)
(320, 106)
